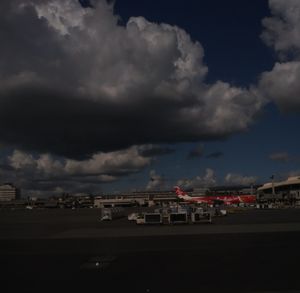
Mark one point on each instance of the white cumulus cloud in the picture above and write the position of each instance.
(43, 172)
(106, 85)
(156, 182)
(207, 180)
(282, 32)
(238, 179)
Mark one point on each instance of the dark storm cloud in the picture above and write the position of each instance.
(51, 121)
(74, 82)
(215, 155)
(6, 168)
(27, 43)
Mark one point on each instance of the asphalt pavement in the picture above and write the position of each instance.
(51, 251)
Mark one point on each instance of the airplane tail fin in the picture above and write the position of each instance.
(179, 192)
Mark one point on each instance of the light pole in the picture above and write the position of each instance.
(273, 187)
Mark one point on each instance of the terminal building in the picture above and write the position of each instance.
(151, 198)
(9, 192)
(140, 198)
(287, 191)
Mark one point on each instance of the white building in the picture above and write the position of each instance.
(288, 189)
(9, 192)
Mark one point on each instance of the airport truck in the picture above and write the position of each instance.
(153, 218)
(149, 218)
(109, 214)
(201, 217)
(178, 218)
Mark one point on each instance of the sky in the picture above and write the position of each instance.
(111, 96)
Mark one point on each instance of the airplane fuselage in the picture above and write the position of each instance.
(226, 199)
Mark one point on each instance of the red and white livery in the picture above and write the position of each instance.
(226, 199)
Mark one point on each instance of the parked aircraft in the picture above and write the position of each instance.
(221, 199)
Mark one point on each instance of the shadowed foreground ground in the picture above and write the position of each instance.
(46, 256)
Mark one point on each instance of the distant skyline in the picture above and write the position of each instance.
(100, 96)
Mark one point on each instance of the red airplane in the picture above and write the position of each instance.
(226, 199)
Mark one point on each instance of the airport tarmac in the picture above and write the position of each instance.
(50, 250)
(85, 223)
